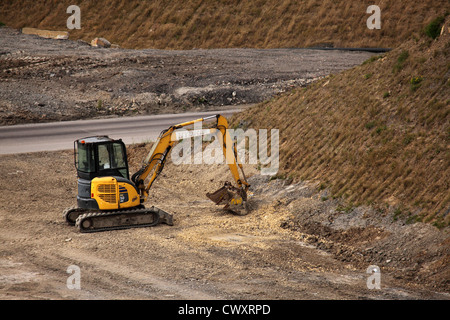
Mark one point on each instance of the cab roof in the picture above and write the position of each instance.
(97, 139)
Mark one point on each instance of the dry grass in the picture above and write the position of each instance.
(376, 134)
(228, 23)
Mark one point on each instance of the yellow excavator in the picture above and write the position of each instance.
(109, 200)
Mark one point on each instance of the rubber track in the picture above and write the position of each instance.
(93, 215)
(71, 210)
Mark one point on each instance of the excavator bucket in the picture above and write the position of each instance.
(234, 199)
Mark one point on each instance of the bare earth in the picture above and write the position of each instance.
(294, 245)
(45, 80)
(297, 243)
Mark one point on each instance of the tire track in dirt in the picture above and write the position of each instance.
(157, 288)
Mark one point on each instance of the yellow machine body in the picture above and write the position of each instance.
(112, 194)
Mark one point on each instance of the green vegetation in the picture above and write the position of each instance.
(372, 59)
(401, 61)
(369, 125)
(415, 83)
(344, 208)
(408, 139)
(381, 128)
(433, 29)
(397, 213)
(99, 104)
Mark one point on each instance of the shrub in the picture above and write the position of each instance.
(372, 59)
(415, 83)
(403, 56)
(380, 129)
(370, 125)
(433, 29)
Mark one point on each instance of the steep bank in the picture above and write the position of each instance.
(231, 23)
(376, 134)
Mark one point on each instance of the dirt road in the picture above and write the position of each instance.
(50, 80)
(273, 253)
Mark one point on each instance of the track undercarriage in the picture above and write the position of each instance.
(95, 221)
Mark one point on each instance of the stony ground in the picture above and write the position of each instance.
(52, 80)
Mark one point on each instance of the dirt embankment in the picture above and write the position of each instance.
(377, 134)
(229, 24)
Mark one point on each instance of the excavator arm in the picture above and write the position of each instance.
(234, 197)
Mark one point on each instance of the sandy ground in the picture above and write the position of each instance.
(293, 245)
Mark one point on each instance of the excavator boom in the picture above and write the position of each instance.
(156, 158)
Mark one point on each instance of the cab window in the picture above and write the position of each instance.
(85, 158)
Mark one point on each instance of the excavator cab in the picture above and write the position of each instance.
(100, 157)
(97, 157)
(107, 199)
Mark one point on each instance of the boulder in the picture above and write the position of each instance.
(100, 42)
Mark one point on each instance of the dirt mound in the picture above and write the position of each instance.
(225, 24)
(377, 134)
(417, 253)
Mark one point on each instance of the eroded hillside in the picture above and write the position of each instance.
(375, 134)
(230, 23)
